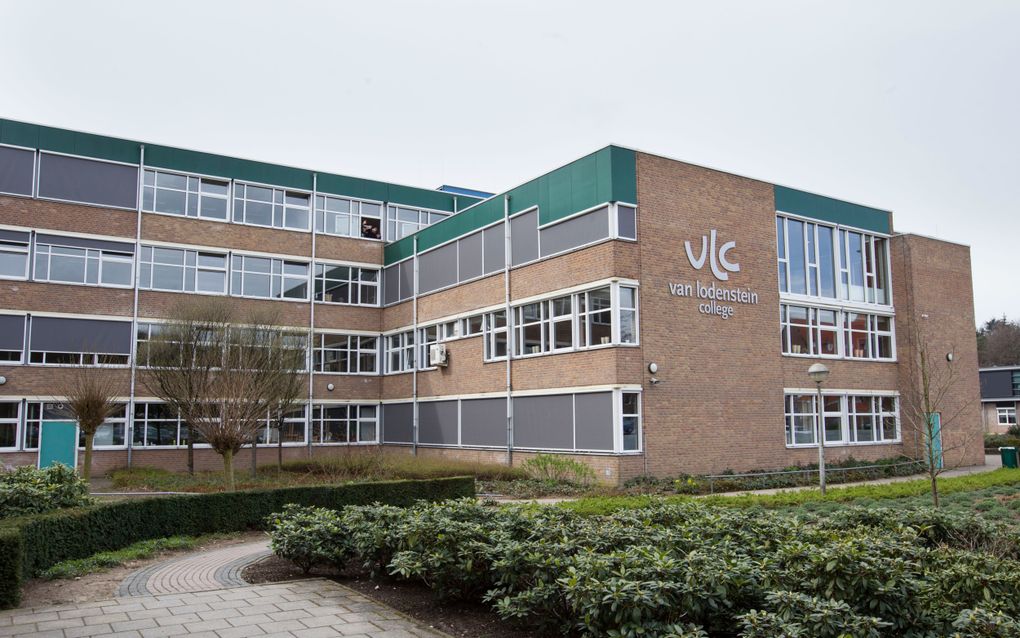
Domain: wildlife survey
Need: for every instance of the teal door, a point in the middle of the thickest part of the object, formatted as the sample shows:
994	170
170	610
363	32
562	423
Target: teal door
58	443
936	438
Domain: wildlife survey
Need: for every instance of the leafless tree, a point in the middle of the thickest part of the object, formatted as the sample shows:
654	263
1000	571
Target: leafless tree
931	410
90	397
222	375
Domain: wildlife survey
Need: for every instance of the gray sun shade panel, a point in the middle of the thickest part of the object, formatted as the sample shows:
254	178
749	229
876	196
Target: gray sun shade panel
469	257
996	384
483	422
83	242
16	170
391	284
494	241
89	181
437	422
437	268
398	423
544	422
578	231
626	221
12	332
57	334
14	235
524	238
406	279
593	421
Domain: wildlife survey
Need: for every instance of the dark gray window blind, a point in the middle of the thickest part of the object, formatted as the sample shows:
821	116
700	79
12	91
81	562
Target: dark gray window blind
524	237
495	248
12	332
437	422
593	421
59	334
391	284
80	180
84	242
398	426
437	268
483	422
469	257
545	422
15	235
16	169
578	231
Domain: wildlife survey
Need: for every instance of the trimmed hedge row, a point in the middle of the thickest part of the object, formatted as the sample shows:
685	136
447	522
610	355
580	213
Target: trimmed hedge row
31	544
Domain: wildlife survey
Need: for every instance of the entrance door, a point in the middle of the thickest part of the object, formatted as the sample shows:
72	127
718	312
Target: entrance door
936	438
58	443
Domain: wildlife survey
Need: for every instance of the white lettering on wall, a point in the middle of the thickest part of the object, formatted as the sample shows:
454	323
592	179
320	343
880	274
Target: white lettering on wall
708	250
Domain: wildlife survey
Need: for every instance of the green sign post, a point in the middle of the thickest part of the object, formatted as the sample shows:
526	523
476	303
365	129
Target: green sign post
58	443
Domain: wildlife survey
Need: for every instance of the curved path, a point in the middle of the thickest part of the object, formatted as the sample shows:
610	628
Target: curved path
203	571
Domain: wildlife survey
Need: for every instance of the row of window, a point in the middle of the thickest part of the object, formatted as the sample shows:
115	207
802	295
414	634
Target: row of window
817	260
209	198
187	270
822	332
847	418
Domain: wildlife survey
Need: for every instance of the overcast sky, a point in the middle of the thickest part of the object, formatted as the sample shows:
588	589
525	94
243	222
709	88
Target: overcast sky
909	106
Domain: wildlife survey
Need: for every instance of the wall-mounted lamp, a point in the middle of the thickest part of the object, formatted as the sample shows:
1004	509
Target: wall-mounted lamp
653	367
949	357
3	380
330	386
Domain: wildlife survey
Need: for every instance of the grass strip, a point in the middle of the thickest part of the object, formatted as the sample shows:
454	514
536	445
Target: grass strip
789	498
107	560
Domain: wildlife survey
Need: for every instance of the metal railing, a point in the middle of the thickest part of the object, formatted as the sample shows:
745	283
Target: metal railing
712	478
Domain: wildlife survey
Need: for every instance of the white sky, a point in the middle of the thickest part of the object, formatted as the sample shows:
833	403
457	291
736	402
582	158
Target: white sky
909	106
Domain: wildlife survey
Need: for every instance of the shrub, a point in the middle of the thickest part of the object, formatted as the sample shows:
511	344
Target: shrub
43	540
27	490
308	536
799	615
561	469
981	623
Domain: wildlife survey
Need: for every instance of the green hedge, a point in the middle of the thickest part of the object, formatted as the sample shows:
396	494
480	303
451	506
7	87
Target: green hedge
31	544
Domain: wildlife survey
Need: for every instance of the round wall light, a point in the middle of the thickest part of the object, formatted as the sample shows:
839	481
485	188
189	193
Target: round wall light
3	380
653	367
330	386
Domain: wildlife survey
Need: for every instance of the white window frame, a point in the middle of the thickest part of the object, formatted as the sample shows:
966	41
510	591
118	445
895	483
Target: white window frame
354	282
394	225
274	278
265	435
186	270
490	330
199	194
122	421
16	421
847	413
15	248
355	215
402	345
353	424
1005	415
100	256
278	200
353	349
618	430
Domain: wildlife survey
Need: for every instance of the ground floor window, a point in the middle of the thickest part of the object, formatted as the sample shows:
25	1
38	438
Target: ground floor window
10	416
1006	414
345	423
630	421
848	419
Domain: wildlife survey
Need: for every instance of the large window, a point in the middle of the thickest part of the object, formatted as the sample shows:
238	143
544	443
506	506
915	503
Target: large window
823	332
868	336
346	354
427	337
155	425
346	285
810	255
275	207
73	263
402	221
10	412
13	255
495	335
345	424
1005	414
182	270
291	429
400	352
176	194
848	419
37	413
268	278
348	217
111	432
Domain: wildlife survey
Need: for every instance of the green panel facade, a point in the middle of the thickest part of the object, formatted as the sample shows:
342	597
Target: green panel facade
789	200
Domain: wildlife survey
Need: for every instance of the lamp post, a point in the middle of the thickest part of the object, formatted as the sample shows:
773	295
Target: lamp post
818	373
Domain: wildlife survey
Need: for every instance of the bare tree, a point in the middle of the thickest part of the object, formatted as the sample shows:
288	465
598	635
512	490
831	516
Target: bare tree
931	410
223	376
90	396
289	388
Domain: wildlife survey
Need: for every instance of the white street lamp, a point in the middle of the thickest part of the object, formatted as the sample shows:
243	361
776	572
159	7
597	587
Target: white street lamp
818	373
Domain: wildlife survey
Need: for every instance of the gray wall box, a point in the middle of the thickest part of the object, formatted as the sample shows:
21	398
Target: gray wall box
57	334
524	238
544	422
996	384
398	423
483	422
437	268
494	240
593	421
88	181
469	257
17	166
437	422
578	231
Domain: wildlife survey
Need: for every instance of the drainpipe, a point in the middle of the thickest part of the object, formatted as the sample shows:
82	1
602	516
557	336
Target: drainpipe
129	421
416	351
509	332
310	357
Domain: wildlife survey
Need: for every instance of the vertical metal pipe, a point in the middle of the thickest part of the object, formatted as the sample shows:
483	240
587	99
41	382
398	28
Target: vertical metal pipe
129	421
507	241
821	441
309	412
415	350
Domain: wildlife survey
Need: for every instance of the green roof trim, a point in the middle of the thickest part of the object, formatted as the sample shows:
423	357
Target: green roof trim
607	175
789	200
156	156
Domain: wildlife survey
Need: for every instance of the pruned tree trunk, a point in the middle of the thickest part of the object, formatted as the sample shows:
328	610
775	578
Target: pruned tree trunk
86	472
228	469
191	450
254	456
279	446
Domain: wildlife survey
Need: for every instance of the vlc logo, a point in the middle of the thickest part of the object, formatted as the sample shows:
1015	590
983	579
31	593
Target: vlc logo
708	251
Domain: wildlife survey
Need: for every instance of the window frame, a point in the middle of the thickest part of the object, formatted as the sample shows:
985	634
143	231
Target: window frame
354	218
10	247
16	421
847	414
102	258
1005	415
400	344
199	193
273	276
239	193
187	271
317	423
353	349
394	223
353	282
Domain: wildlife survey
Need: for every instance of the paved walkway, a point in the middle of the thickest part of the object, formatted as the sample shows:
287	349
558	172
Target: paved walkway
310	608
202	571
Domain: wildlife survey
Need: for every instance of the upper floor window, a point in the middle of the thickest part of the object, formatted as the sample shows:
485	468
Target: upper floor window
346	354
176	194
496	337
77	261
181	269
1016	383
268	278
13	254
811	254
822	332
267	206
400	352
402	221
348	217
346	285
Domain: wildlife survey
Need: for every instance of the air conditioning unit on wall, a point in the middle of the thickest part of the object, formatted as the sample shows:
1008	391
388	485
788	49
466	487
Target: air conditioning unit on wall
438	355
